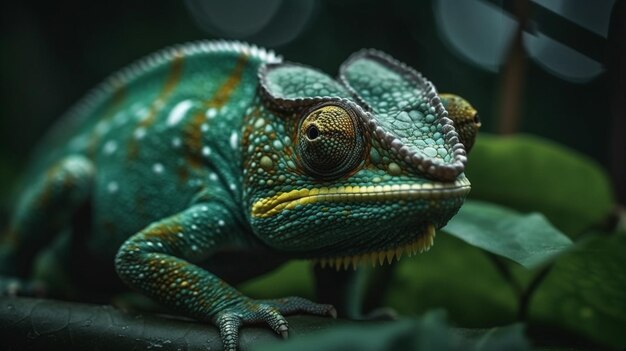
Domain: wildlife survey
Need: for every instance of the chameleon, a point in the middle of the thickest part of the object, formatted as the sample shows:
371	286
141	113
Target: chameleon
217	149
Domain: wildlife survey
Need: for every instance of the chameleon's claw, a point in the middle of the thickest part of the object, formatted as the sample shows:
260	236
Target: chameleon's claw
333	312
284	331
268	311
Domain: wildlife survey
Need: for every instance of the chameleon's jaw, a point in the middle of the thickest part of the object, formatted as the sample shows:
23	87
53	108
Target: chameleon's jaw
271	206
423	243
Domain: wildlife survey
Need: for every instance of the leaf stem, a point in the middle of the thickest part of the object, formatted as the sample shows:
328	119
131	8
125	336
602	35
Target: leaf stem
524	300
506	274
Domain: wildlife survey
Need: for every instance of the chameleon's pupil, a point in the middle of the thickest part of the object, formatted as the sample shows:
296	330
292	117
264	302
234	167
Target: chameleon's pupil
312	133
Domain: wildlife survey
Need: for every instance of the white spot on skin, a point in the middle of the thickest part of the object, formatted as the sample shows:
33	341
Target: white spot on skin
140	133
221	223
210	113
157	168
102	127
213	176
233	186
206	151
110	147
204	127
176	142
120	118
234	140
259	123
178	112
142	113
112	187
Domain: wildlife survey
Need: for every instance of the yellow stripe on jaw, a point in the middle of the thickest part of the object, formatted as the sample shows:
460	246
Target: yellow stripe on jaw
270	206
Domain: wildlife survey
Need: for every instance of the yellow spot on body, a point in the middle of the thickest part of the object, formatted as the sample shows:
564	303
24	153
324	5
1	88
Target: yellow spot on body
266	163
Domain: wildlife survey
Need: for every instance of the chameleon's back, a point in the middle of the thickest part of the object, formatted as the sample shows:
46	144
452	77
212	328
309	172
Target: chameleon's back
148	89
158	132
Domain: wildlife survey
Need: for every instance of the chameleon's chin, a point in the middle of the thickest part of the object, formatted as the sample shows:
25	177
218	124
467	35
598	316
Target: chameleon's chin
422	243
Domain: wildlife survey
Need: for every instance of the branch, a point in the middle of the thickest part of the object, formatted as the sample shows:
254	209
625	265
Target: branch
40	324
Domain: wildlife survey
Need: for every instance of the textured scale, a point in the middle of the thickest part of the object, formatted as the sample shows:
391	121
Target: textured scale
220	148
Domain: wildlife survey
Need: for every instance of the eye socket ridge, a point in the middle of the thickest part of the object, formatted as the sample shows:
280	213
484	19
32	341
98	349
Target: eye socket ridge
330	140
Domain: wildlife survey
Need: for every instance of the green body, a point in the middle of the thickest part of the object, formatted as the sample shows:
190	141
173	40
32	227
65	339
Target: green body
220	148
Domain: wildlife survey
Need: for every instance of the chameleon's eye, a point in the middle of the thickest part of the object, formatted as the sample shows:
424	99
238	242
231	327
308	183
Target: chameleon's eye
330	141
476	119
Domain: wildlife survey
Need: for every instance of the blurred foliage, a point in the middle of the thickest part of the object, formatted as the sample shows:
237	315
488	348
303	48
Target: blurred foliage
586	291
428	333
530	173
294	278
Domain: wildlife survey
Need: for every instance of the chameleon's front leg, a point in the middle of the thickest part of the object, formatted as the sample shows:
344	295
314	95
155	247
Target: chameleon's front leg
158	262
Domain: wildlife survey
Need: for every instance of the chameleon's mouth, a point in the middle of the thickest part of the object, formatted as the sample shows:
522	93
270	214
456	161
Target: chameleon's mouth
423	243
273	205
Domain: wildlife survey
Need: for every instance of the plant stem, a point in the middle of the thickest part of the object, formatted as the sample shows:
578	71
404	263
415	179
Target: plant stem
525	297
506	274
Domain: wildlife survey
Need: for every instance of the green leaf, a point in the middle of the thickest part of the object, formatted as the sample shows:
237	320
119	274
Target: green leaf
428	333
586	292
293	278
457	277
529	240
528	173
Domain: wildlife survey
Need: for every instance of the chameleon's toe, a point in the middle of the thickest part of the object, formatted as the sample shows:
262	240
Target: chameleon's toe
228	324
231	320
266	311
294	304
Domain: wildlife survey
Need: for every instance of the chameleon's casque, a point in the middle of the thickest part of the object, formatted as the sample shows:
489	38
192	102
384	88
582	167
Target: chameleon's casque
219	147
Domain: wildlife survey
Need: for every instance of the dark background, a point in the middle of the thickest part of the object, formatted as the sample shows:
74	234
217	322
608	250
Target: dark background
52	53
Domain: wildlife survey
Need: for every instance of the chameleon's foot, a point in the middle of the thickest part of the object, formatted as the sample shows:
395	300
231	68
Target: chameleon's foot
267	311
10	286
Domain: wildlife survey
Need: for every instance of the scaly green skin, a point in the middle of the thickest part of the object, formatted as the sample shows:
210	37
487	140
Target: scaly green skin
220	147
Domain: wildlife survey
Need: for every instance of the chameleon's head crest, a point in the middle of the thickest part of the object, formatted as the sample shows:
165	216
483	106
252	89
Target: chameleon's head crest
405	113
397	105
